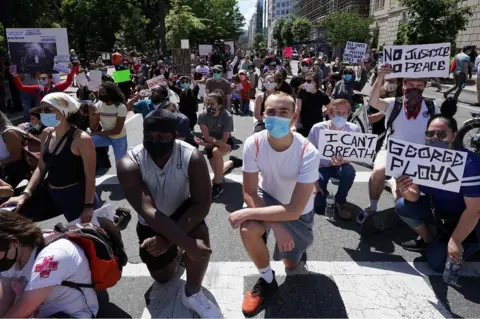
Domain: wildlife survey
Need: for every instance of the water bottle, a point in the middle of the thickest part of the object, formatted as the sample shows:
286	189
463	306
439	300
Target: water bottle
330	208
450	274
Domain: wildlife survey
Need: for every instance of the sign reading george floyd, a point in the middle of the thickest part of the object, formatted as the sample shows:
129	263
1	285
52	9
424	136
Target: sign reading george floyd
426	165
358	147
354	52
418	61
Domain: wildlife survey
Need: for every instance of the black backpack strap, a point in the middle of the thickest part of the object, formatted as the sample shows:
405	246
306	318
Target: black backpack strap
397	107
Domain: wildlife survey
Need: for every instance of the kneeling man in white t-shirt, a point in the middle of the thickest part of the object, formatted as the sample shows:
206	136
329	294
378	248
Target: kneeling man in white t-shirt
280	168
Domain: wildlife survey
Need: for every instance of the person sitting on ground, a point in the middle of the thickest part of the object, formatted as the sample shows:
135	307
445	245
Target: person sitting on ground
218	83
245	95
456	215
144	106
35	126
216	124
167	182
183	124
338	111
31	277
188	94
281	200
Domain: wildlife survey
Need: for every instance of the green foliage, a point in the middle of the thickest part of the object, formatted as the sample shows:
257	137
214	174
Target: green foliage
347	26
432	21
181	21
287	34
301	29
258	39
3	43
277	31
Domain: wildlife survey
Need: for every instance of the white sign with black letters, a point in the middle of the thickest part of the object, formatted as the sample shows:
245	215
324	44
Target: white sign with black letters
351	146
418	61
354	52
426	165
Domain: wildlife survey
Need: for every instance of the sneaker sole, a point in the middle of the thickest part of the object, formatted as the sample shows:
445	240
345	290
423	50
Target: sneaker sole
266	302
415	250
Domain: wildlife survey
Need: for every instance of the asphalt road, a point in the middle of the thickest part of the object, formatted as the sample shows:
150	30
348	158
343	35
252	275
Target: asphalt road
350	276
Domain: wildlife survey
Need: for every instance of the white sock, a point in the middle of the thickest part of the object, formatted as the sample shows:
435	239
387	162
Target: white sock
373	205
266	273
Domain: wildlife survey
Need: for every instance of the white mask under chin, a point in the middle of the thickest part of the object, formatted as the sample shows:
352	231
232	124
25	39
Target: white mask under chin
308	87
269	86
304	69
390	87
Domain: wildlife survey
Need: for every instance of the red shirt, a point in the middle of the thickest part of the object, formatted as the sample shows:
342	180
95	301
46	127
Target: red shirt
246	85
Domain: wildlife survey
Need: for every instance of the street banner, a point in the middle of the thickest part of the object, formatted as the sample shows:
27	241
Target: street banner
184	44
34	50
95	80
181	62
204	49
121	76
351	146
426	165
354	52
156	81
288	52
418	61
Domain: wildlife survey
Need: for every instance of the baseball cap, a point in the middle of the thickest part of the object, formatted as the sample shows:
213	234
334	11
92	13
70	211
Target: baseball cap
218	68
242	72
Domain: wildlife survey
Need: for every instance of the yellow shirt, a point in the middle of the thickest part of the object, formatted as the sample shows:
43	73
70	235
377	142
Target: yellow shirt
108	117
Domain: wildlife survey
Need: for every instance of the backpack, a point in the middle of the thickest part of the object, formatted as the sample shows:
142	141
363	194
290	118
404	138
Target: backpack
397	107
103	247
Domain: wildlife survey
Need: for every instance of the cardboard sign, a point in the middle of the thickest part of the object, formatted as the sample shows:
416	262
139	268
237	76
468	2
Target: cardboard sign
121	76
95	80
61	68
204	49
181	62
426	165
357	147
156	81
288	52
354	52
184	44
418	61
81	79
61	58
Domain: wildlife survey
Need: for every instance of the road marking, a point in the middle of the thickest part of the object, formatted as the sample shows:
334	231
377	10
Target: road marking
367	289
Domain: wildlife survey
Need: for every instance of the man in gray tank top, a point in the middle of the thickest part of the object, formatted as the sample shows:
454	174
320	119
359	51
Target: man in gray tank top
167	182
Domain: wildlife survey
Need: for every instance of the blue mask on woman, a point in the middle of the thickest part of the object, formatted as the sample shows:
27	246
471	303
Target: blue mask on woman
277	127
217	76
49	119
347	77
438	143
339	121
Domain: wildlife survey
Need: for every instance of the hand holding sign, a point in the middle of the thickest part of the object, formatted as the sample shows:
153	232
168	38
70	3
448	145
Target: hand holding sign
383	70
339	146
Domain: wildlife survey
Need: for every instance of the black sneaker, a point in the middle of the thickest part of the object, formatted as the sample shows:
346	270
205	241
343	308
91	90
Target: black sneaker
122	217
237	162
255	299
415	245
217	190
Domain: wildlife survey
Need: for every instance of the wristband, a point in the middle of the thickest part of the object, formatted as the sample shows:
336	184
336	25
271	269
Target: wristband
88	205
27	192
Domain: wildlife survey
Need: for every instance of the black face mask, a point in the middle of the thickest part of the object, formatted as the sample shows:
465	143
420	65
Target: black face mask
7	264
158	149
103	97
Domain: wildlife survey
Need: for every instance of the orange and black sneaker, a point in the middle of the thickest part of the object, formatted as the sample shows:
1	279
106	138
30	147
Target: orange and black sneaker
255	299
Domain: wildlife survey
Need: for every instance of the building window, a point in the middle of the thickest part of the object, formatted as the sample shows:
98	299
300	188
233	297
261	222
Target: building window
379	4
286	11
278	12
283	11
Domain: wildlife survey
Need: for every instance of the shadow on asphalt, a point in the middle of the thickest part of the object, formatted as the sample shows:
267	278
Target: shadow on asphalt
230	197
108	309
115	190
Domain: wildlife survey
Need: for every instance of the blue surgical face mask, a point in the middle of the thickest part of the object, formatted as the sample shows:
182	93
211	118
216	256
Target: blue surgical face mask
277	127
339	121
49	119
438	143
347	77
217	76
186	85
43	82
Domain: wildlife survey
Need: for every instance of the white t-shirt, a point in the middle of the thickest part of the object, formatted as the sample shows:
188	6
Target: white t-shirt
61	260
204	70
412	130
108	117
280	171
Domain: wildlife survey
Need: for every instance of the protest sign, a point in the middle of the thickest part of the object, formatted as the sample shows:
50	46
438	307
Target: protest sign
204	49
61	68
288	52
184	44
426	165
121	76
156	81
61	58
357	147
354	52
181	62
34	50
230	47
95	80
418	61
81	79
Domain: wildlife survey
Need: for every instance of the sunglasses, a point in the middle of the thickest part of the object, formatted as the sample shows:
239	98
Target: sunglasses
307	81
218	72
440	135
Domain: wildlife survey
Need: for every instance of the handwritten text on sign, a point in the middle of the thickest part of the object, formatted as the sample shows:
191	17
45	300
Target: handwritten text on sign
156	81
354	52
351	146
426	165
418	61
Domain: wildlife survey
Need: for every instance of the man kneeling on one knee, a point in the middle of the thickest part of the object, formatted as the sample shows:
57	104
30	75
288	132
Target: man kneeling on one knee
280	168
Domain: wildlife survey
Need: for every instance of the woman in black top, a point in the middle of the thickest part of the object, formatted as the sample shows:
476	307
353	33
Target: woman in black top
188	94
309	104
282	86
68	156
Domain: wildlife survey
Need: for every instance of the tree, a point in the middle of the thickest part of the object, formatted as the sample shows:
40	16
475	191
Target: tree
432	21
134	32
277	32
301	29
347	26
257	39
287	34
181	21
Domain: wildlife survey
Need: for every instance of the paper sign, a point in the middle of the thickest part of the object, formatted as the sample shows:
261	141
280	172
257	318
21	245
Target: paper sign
184	44
81	79
121	76
180	62
56	78
357	147
426	165
61	58
61	68
106	211
418	61
354	52
95	80
156	81
288	52
204	49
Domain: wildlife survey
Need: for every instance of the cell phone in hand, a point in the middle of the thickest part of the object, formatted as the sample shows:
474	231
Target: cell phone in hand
9	208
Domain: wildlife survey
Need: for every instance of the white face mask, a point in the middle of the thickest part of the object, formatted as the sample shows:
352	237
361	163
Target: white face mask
389	87
304	69
269	86
308	87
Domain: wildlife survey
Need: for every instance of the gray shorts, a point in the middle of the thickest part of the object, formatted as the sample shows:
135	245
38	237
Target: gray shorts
300	229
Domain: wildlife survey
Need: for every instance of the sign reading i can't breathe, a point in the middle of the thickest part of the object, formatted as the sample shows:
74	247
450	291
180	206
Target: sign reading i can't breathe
357	147
418	61
426	165
354	52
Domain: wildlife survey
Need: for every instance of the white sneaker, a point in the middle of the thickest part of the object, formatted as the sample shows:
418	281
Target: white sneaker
200	304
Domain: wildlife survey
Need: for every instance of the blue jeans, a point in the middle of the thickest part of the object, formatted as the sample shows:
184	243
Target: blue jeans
119	145
245	106
345	174
28	102
418	213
